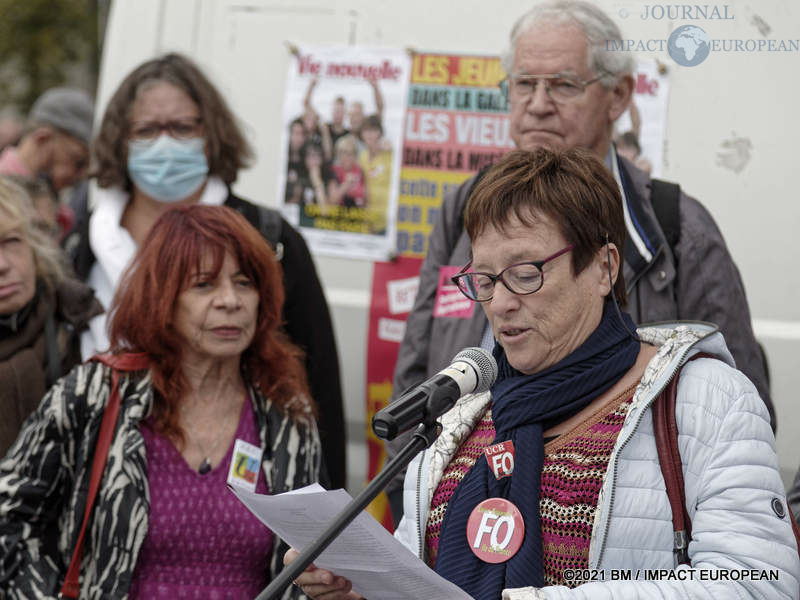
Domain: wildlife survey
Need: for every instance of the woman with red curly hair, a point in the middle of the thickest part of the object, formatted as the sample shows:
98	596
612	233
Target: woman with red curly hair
210	389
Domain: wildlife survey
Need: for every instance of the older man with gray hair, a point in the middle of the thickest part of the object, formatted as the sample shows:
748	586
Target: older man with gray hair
565	90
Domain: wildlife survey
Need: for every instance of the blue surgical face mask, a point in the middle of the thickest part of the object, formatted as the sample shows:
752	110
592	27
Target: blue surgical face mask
167	169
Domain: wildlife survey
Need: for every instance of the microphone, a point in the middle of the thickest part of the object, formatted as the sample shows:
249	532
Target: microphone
473	370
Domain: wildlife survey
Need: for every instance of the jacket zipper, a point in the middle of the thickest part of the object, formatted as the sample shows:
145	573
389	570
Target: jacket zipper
419	505
625	443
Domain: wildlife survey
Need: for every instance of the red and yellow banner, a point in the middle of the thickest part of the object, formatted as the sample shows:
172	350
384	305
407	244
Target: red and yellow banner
456	124
394	287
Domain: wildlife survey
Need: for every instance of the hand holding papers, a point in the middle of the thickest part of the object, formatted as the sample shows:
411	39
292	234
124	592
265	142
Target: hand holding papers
365	553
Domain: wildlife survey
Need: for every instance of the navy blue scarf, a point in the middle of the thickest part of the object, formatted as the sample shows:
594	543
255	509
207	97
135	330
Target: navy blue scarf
523	407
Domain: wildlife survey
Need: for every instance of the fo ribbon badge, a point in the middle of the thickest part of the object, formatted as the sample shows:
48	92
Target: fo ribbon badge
501	458
495	530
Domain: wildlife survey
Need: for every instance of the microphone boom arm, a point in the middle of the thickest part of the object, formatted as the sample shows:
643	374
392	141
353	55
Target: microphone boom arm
472	370
424	436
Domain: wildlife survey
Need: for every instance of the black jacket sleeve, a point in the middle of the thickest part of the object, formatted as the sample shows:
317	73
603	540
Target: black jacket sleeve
308	324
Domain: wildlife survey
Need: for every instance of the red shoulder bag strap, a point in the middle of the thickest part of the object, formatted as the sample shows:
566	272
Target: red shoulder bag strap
665	427
666	431
795	528
119	362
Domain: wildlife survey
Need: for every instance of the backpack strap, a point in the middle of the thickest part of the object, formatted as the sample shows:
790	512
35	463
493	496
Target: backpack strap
78	249
270	224
121	362
665	427
268	221
665	198
53	351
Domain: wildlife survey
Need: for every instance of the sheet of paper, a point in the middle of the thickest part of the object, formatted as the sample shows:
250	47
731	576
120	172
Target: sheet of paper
378	565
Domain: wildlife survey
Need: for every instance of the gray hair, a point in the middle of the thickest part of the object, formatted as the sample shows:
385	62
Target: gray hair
596	25
16	206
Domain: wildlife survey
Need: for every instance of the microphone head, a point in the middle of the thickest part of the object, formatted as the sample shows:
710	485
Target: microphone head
484	365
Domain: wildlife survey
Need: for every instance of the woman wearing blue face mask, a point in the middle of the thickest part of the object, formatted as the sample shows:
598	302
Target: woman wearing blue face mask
167	137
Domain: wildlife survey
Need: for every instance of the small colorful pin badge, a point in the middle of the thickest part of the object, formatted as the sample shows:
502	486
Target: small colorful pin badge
495	530
245	464
501	459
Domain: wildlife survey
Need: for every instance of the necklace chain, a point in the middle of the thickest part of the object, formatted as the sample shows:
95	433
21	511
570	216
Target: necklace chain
205	465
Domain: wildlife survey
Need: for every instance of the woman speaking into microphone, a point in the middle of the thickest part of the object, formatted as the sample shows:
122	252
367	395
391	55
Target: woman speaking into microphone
554	473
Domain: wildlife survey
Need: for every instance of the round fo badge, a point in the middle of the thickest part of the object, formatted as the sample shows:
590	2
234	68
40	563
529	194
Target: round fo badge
495	530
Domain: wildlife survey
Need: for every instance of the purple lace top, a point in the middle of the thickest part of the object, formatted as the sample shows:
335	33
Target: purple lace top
201	541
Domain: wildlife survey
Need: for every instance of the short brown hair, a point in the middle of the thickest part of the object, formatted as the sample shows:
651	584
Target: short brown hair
227	146
573	188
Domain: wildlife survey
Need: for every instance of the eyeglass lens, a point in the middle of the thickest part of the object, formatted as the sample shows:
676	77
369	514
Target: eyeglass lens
519	279
559	88
179	128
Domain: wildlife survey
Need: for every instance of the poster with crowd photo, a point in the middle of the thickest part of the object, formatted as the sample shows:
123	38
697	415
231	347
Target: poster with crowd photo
641	130
343	130
457	123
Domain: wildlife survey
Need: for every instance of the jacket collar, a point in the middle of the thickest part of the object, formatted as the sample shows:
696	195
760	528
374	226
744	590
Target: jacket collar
677	341
645	241
111	243
11	324
79	244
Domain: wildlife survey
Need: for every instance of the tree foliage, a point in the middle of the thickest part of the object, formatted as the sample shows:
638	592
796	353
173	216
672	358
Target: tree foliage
45	43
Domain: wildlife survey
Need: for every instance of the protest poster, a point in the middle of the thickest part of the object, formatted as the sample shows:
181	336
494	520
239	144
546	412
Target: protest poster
646	119
343	129
457	123
394	287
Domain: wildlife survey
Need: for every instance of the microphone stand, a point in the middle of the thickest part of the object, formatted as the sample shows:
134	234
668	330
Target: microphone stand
425	434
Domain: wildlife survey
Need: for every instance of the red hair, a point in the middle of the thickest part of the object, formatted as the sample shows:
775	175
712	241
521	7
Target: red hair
143	309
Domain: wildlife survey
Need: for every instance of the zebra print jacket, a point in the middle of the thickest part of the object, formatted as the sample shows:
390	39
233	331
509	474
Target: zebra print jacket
44	481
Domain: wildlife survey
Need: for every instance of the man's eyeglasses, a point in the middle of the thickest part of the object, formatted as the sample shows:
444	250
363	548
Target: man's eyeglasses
521	278
560	87
181	129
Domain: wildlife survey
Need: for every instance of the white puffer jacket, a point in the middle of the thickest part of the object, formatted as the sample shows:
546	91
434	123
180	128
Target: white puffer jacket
734	494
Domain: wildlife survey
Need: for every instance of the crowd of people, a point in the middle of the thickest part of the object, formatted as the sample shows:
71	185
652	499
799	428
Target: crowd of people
160	329
574	401
340	164
199	313
689	277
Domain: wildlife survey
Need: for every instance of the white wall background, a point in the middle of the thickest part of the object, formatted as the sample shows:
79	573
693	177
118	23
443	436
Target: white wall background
739	105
